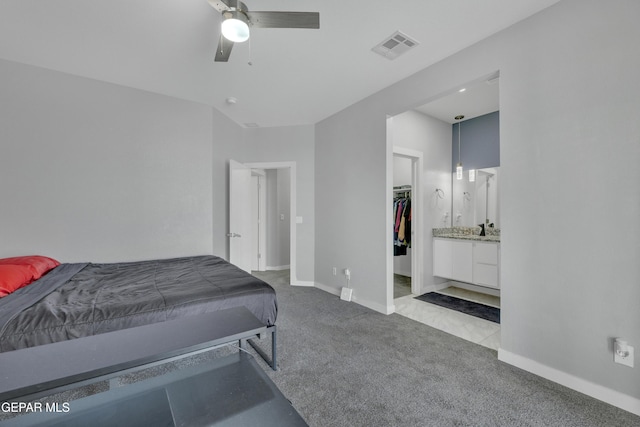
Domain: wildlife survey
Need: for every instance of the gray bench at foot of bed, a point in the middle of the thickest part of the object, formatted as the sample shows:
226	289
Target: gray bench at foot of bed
45	369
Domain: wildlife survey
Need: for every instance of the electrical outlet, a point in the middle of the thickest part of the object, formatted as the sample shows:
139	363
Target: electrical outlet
627	360
335	271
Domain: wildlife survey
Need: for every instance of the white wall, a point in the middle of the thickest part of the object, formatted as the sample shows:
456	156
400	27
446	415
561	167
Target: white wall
92	171
432	137
568	101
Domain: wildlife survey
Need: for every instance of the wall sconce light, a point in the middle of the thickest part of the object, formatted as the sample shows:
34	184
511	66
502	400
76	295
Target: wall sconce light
459	165
472	175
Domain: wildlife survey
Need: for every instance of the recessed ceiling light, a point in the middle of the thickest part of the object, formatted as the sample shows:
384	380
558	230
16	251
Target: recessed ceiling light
462	90
231	100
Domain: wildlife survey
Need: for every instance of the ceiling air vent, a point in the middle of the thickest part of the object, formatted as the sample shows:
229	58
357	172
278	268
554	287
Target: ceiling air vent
395	45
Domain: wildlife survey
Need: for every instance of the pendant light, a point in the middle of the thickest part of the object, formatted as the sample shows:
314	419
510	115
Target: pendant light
472	175
459	165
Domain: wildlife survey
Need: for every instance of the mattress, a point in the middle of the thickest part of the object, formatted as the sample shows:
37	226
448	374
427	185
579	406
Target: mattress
78	300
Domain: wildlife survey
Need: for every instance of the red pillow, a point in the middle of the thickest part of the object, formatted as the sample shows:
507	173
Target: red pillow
14	277
39	264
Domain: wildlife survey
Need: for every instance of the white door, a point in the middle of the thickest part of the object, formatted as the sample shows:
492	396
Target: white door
240	244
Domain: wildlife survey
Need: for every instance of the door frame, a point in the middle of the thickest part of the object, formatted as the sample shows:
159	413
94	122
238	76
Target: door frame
260	175
417	224
417	243
293	278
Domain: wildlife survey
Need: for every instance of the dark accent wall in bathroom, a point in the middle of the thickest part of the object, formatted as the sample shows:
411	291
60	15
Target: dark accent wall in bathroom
479	142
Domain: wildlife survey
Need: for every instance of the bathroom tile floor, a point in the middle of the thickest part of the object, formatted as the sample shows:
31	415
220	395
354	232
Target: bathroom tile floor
462	325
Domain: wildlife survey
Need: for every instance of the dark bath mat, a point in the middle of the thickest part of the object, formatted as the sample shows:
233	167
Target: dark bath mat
471	308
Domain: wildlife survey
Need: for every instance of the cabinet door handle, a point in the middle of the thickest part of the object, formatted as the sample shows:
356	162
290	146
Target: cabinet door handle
233	235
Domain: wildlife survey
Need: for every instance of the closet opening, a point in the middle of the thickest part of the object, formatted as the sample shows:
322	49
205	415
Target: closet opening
407	213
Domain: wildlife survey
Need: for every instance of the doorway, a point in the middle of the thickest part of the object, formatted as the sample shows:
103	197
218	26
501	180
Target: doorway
270	221
406	171
281	177
402	221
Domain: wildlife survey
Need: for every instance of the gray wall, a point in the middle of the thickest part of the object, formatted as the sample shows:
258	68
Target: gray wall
479	142
569	139
278	231
284	221
272	235
92	171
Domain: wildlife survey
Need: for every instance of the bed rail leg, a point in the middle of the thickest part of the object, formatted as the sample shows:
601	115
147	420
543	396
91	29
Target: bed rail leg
274	350
274	355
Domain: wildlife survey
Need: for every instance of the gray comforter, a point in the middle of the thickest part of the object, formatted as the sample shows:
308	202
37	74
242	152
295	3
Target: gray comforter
77	300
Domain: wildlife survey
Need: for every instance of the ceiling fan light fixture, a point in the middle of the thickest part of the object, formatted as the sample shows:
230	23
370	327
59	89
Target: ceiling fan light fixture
235	26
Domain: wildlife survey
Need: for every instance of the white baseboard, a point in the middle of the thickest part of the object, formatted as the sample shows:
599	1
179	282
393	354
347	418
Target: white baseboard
612	397
277	267
306	283
330	289
380	308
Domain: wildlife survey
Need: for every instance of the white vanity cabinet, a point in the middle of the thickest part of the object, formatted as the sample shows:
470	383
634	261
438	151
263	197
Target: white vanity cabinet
486	256
467	261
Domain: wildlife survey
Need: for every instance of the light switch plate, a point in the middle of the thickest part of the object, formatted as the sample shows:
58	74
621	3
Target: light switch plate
627	361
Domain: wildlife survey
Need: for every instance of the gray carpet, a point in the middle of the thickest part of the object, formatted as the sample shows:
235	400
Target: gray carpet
344	365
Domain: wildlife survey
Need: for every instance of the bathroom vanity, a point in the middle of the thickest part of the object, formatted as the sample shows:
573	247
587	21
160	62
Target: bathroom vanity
461	254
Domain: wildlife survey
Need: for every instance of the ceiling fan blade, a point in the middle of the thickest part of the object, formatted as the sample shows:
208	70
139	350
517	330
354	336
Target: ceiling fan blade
219	5
224	50
285	19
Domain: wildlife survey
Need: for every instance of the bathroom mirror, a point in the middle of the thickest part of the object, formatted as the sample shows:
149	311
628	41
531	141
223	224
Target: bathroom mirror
475	203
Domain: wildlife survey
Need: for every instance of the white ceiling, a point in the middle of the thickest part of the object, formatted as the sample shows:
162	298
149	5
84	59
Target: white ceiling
471	100
297	76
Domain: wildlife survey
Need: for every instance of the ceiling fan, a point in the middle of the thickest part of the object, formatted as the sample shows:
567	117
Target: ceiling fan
236	20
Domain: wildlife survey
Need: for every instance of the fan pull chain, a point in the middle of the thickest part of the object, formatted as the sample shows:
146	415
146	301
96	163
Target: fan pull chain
250	61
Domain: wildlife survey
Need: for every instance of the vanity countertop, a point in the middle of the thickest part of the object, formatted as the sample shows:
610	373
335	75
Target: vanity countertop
467	233
473	237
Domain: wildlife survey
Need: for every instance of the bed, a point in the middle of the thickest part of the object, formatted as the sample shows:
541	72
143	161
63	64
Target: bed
82	299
